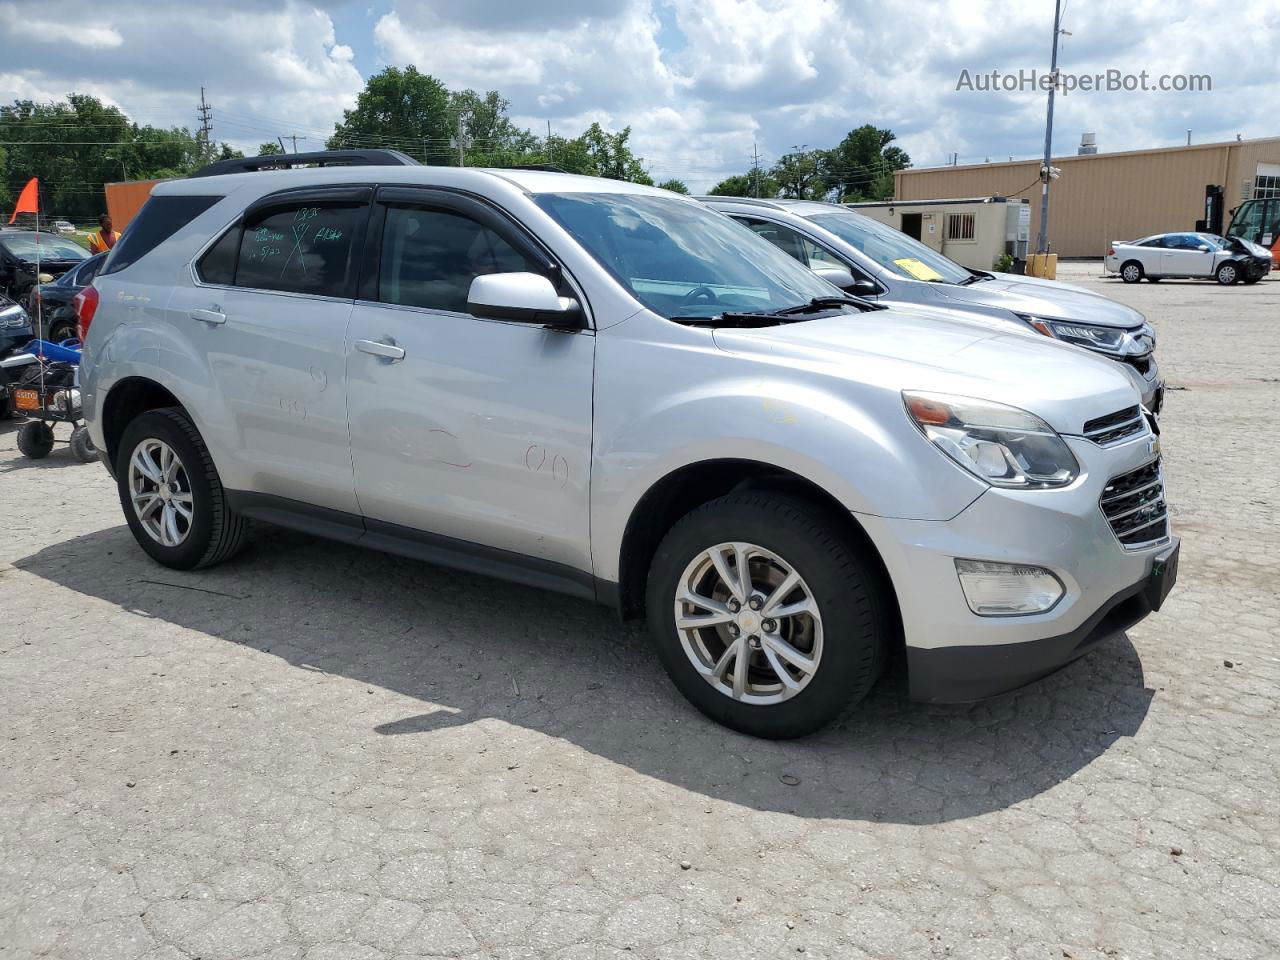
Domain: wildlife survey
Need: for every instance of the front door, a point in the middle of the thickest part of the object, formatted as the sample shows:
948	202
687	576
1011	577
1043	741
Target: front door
478	431
911	225
1187	255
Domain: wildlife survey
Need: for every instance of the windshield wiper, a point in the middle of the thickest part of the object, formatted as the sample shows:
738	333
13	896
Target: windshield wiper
826	303
975	278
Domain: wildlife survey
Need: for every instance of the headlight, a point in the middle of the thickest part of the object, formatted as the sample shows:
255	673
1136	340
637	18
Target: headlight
1004	446
1114	340
13	316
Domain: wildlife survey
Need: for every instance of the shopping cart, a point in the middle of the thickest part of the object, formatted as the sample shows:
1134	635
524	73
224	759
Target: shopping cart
45	388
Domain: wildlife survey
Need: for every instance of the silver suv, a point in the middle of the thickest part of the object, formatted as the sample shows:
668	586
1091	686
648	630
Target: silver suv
612	391
874	260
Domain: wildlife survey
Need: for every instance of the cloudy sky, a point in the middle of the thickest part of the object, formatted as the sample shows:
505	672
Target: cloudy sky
699	81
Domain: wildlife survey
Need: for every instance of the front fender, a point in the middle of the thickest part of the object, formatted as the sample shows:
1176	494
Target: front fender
666	402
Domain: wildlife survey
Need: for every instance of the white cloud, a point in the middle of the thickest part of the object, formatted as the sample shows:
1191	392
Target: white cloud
699	81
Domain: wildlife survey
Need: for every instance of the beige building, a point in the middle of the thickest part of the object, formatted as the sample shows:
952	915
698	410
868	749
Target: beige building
1111	196
973	232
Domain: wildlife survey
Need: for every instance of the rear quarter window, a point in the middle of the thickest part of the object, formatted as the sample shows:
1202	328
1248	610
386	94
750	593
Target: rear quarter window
158	220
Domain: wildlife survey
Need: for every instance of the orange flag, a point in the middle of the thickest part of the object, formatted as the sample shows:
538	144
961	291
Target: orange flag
28	200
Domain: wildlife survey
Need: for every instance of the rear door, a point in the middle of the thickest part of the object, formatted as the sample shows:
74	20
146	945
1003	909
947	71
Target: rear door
467	429
269	311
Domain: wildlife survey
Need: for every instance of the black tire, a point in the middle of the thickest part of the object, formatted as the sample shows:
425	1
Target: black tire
35	439
216	532
854	610
1131	271
1227	273
82	445
61	329
1253	279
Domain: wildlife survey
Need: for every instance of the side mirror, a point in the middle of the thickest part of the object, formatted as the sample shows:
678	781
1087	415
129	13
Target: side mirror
524	298
842	277
864	288
1203	248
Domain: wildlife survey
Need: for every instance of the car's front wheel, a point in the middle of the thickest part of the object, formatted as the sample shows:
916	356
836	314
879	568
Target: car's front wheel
765	619
1227	274
171	494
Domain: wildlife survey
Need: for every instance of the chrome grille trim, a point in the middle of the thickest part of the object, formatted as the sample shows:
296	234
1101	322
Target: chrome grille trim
1115	427
1135	508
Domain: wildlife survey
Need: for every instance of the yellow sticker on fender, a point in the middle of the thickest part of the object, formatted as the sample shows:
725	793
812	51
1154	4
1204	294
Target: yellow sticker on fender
918	269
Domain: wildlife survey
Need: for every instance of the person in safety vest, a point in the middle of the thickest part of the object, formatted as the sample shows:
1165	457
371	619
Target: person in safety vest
104	238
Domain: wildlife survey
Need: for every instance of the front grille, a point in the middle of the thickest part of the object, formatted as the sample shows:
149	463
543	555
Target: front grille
1133	504
1115	427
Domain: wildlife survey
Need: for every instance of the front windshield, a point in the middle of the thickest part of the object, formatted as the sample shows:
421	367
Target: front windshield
24	246
892	249
681	259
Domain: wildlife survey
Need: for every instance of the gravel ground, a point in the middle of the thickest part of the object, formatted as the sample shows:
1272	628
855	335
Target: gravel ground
318	752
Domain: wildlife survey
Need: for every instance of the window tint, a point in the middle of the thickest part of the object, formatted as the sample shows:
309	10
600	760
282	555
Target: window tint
430	257
218	265
305	247
158	220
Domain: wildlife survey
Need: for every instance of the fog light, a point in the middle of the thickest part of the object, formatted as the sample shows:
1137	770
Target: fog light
1007	589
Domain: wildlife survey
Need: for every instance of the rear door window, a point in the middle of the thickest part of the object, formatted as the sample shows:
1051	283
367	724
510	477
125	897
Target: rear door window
304	246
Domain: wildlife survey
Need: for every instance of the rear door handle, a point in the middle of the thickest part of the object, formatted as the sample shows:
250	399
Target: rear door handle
209	316
387	351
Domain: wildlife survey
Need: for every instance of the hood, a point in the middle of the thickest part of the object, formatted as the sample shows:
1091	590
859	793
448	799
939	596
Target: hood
899	350
1254	249
1044	298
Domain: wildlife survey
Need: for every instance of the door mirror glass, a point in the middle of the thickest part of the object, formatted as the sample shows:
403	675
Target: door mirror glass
864	288
523	297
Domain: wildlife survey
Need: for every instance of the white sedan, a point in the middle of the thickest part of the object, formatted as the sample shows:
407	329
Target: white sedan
1194	255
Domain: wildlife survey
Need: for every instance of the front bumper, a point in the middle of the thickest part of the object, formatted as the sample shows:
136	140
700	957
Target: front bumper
956	655
968	673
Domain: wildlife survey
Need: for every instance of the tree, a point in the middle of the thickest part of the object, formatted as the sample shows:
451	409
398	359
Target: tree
609	156
492	140
675	186
800	176
77	145
400	110
755	183
269	148
861	166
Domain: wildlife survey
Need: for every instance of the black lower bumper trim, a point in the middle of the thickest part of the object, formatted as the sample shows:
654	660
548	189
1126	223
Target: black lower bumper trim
963	674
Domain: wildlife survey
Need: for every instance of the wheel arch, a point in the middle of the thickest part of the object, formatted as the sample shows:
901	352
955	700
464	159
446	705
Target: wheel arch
125	401
689	486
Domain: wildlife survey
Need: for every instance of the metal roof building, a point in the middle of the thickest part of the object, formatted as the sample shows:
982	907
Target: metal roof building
1113	196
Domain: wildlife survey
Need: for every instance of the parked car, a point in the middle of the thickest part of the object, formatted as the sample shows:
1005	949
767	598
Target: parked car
15	332
22	250
872	259
64	226
1205	256
613	391
49	304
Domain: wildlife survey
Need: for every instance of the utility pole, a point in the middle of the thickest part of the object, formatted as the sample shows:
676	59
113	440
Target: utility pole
205	114
462	146
755	171
1042	240
292	137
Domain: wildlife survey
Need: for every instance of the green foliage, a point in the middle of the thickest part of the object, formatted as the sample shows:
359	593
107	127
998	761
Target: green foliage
675	186
78	145
756	183
861	166
801	176
269	148
401	110
1002	263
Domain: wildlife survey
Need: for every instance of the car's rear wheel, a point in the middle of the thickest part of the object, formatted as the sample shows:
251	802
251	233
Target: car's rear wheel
171	494
1227	274
765	619
1131	271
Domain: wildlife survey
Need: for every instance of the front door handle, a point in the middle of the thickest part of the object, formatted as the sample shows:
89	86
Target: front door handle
387	351
209	316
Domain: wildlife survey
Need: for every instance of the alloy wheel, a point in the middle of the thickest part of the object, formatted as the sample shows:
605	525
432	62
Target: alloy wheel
160	492
748	623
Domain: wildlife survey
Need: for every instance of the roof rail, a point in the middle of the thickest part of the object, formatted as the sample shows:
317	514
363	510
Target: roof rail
543	167
317	158
755	201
